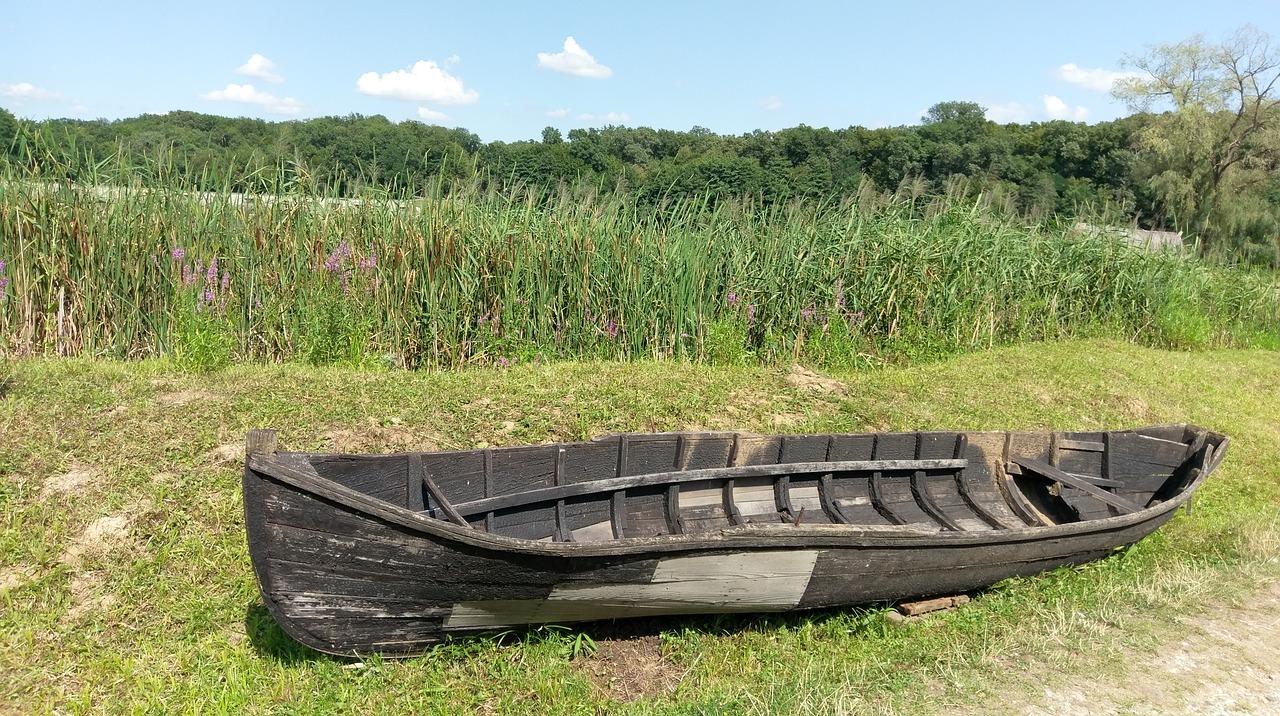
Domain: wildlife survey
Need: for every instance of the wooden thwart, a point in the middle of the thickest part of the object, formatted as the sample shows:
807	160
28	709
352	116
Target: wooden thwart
1053	473
618	484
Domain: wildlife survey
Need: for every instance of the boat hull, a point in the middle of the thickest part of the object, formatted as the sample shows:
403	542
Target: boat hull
346	573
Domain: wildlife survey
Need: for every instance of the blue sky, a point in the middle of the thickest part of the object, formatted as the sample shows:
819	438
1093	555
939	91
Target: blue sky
506	70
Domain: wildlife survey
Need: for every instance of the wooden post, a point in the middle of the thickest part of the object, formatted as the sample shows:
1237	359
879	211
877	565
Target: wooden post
260	442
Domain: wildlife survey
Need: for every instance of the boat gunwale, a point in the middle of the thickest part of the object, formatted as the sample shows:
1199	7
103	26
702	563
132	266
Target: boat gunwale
308	481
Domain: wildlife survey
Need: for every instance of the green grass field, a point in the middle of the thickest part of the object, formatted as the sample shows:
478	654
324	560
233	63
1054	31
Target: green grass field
125	584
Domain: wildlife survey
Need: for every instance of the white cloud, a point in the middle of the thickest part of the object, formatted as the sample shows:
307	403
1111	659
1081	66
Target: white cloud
607	118
431	115
26	90
574	61
558	113
1009	112
1055	108
771	103
260	68
1096	79
424	82
246	94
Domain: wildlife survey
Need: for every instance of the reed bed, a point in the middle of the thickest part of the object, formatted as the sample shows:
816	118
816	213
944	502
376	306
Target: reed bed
464	276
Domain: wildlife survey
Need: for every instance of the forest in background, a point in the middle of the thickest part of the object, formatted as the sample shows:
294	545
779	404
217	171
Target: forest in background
1208	165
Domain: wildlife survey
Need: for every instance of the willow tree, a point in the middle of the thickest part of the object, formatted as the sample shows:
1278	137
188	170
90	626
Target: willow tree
1218	138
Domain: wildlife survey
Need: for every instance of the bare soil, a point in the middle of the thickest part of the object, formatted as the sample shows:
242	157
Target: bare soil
1226	663
76	480
629	669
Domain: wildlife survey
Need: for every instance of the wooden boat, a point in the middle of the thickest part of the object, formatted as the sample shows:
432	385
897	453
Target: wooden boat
391	554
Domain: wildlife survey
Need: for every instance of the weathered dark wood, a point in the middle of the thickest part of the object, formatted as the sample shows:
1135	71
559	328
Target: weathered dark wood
260	442
562	533
1089	445
962	487
731	509
921	492
674	523
488	487
414	484
438	495
827	496
548	494
1057	475
1013	496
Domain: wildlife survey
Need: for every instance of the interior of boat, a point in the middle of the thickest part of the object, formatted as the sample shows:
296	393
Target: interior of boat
646	485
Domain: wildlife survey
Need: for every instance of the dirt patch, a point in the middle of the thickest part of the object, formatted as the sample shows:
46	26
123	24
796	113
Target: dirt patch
785	420
1137	409
630	669
379	439
1227	663
88	595
15	576
805	379
76	480
225	453
186	397
104	535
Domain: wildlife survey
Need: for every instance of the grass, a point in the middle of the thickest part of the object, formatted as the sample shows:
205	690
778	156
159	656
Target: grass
125	584
466	276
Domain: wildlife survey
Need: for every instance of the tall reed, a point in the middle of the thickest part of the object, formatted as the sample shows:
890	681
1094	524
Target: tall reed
459	275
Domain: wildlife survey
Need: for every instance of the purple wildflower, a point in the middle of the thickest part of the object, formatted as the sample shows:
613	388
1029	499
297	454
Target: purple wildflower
731	299
807	313
179	254
369	262
226	281
612	329
212	276
751	313
4	281
333	264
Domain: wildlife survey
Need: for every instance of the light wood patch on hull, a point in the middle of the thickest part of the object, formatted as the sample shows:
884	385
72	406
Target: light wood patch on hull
742	582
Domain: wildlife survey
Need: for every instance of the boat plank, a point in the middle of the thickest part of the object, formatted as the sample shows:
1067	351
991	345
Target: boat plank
383	477
627	482
464	472
852	447
340	605
1057	475
1142	449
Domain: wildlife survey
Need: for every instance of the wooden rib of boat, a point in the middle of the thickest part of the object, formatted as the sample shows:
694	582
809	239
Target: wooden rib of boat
390	554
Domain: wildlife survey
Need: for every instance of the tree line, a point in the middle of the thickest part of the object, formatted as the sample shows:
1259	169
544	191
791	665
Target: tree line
1207	165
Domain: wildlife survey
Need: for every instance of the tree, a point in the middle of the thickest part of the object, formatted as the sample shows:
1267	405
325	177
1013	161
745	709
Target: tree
1222	137
8	130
